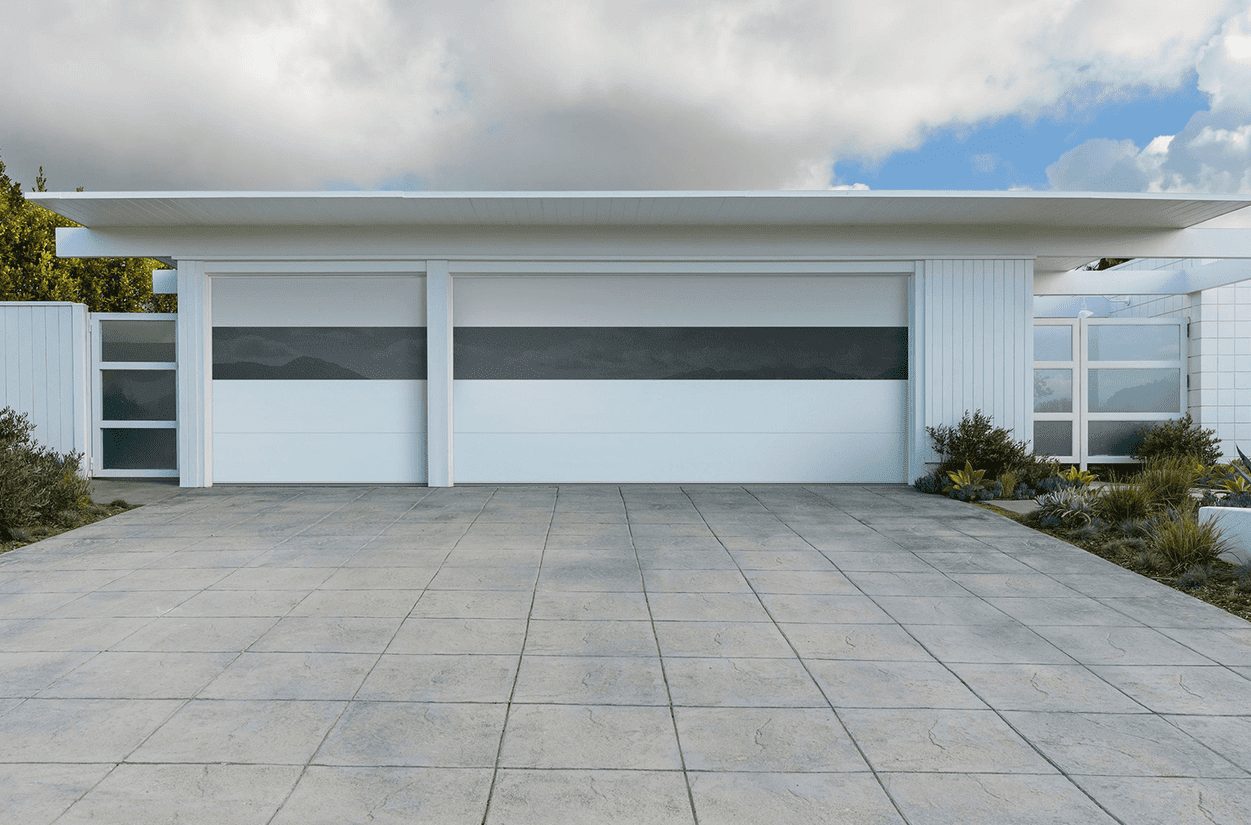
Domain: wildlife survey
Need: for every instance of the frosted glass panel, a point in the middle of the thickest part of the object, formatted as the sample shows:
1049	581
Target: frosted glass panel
1054	438
1053	343
1135	390
1053	390
1133	342
139	395
137	341
1119	438
140	449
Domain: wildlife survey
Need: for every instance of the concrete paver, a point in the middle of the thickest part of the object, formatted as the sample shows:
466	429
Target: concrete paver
609	654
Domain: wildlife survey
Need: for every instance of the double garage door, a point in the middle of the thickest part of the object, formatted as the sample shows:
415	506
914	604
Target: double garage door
564	378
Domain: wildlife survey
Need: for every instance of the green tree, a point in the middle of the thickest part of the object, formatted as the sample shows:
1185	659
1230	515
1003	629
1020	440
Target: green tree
31	271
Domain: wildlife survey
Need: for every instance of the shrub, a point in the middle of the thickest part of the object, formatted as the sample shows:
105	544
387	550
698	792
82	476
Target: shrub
37	485
977	441
1078	477
1179	438
1124	503
1180	543
931	483
1068	508
1008	484
1167	481
1194	577
968	484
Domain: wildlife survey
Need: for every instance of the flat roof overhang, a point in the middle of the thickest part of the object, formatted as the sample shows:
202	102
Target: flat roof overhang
1060	230
641	208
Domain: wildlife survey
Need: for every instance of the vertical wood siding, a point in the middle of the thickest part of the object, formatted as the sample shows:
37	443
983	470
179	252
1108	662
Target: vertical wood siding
44	371
973	346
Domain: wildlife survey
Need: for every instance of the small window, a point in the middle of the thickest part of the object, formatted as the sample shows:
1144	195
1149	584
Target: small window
1135	390
1053	342
1053	438
139	395
1053	390
140	449
1115	438
137	341
1134	342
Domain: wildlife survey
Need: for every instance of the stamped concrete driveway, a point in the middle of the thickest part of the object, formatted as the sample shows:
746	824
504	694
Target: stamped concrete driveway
595	654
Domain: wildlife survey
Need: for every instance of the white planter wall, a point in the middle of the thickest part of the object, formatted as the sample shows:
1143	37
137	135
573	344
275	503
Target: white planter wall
45	371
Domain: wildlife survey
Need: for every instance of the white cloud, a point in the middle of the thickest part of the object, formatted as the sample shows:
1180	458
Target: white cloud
1211	154
548	94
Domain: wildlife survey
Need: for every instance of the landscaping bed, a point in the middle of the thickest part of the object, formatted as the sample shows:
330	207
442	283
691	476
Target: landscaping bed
1226	585
42	492
1146	519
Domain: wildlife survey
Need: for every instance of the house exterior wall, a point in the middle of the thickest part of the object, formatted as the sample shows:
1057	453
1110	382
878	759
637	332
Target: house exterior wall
44	371
972	332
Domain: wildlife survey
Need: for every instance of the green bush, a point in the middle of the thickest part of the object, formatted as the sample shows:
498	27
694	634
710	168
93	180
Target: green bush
977	441
1184	542
37	484
1180	438
1072	508
1119	503
1167	481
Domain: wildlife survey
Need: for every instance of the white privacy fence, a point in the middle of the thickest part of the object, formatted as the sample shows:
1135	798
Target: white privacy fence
1098	382
44	364
100	384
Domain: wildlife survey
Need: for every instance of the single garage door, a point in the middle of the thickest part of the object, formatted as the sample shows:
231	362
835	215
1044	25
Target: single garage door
319	379
680	378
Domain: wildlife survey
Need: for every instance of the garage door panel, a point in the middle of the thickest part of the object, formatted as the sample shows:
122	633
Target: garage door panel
681	300
319	458
319	379
319	406
679	457
703	378
678	406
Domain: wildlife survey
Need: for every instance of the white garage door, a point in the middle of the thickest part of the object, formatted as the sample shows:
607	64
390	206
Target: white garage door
319	379
680	378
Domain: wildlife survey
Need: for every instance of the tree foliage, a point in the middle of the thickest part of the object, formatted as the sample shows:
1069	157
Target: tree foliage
31	271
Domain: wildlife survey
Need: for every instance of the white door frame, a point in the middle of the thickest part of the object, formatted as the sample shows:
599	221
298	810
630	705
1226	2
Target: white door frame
98	423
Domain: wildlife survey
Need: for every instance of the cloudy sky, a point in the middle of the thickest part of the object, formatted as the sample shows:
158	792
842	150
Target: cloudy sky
549	94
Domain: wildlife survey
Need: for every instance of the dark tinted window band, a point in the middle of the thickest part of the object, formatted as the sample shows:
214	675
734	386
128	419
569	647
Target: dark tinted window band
682	353
319	353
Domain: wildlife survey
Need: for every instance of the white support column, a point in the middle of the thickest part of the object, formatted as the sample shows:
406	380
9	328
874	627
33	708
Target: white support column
195	371
438	374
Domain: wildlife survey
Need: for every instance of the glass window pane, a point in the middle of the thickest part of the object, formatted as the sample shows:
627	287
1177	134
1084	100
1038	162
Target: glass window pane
682	353
1053	390
1134	342
1135	390
1054	438
319	353
137	341
1053	342
1118	438
140	449
139	395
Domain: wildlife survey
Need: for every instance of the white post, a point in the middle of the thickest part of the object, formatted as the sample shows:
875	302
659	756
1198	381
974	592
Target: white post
438	374
195	371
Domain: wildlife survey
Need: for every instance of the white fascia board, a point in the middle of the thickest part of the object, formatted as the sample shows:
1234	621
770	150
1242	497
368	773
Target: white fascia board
1144	281
791	243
